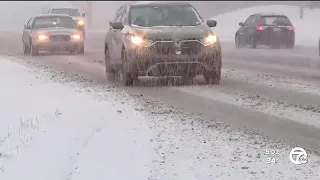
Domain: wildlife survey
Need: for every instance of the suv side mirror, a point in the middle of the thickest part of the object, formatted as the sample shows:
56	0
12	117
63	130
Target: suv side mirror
117	25
241	24
83	14
211	23
26	27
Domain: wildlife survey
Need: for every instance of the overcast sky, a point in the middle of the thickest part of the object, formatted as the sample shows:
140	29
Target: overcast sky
14	14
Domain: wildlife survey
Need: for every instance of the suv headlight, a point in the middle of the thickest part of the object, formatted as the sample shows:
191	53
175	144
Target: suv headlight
76	37
80	23
137	40
211	39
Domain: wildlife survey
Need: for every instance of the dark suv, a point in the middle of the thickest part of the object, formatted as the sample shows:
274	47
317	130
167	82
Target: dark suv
273	30
161	39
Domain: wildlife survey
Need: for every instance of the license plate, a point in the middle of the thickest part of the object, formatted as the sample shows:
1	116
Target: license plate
276	29
178	52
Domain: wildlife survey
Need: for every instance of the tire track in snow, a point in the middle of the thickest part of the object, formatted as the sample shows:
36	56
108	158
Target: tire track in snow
299	113
275	69
276	81
285	97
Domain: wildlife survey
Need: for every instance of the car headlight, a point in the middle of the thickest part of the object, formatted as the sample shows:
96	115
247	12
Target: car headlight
76	36
80	22
41	37
211	39
137	40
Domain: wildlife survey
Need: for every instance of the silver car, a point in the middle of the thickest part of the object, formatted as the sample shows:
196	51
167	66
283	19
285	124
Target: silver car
52	32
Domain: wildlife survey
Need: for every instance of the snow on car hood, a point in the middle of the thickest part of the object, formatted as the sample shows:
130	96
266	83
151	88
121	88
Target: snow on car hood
172	32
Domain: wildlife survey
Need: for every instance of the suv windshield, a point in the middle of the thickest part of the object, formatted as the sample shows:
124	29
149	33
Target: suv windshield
276	20
70	12
53	22
164	16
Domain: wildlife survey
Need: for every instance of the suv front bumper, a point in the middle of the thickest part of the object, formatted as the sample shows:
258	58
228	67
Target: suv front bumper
153	64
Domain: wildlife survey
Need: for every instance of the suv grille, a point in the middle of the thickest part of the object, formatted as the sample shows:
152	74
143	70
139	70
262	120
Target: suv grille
191	47
60	37
163	48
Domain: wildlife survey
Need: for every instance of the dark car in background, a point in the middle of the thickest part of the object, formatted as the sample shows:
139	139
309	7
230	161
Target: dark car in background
161	39
51	32
273	30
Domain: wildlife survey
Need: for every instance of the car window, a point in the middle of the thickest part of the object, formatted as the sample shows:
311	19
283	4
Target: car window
53	22
275	20
249	21
124	17
164	16
256	20
70	12
29	22
118	15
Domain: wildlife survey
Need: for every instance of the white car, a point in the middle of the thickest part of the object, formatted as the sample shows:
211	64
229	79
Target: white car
74	13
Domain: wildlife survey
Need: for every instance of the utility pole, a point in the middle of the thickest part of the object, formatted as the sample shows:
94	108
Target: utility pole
301	11
89	14
74	4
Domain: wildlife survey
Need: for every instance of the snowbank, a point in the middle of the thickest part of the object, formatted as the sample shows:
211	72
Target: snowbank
46	126
307	28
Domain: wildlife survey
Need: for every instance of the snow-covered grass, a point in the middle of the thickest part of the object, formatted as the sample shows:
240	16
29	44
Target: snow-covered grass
307	28
45	127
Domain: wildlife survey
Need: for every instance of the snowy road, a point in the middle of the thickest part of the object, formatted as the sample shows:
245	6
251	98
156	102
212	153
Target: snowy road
275	94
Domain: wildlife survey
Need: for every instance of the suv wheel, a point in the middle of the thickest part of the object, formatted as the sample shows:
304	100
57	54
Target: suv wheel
84	34
26	49
81	49
110	72
33	50
238	42
213	76
290	45
253	43
127	74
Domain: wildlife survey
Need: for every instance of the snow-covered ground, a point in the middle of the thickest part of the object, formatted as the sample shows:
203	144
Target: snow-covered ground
50	132
61	127
307	28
